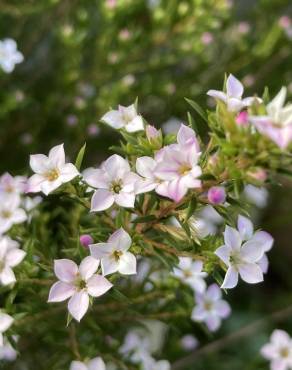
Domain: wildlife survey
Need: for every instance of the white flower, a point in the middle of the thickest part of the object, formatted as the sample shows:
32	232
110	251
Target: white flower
10	185
50	171
94	364
7	352
210	308
242	252
5	322
191	273
124	117
233	96
9	55
256	195
277	123
10	256
115	183
278	350
114	254
10	213
78	284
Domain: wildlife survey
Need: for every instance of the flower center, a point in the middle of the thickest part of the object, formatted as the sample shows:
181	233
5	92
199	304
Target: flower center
53	174
6	214
187	273
284	352
9	189
117	255
208	305
2	265
80	284
235	259
116	186
184	169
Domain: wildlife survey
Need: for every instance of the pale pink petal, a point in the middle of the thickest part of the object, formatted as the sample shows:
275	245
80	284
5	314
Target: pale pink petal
234	87
162	189
109	265
5	322
68	172
7	276
145	167
269	351
19	216
116	166
264	264
231	279
88	267
185	263
61	291
197	266
39	163
14	256
234	105
127	264
280	337
144	186
101	250
98	285
78	365
251	273
232	238
176	190
198	284
78	305
125	199
217	95
251	251
120	239
279	364
48	186
114	119
222	308
97	178
135	125
277	103
213	323
96	364
223	253
245	227
264	240
102	199
198	313
57	155
65	270
34	183
213	292
187	136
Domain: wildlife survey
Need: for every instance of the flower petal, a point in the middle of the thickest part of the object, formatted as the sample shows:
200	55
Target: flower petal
223	253
125	199
127	264
101	250
88	267
98	285
231	279
7	276
14	256
245	227
264	240
232	238
234	87
116	166
251	273
222	309
114	119
251	252
68	172
78	365
61	291
97	178
39	163
102	199
145	166
121	240
135	125
96	364
5	322
57	155
220	95
65	270
78	305
213	323
109	265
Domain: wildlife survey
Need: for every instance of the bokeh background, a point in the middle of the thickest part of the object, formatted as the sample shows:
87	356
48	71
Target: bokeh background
84	56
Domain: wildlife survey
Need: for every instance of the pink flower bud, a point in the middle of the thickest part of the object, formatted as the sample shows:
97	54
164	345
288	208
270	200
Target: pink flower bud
154	136
284	21
216	195
85	240
258	174
242	118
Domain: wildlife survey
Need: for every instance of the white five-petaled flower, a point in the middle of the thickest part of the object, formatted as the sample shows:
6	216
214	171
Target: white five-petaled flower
124	117
115	183
10	185
10	213
10	256
277	123
9	55
50	171
5	322
278	350
233	96
191	273
94	364
242	253
210	308
114	254
78	284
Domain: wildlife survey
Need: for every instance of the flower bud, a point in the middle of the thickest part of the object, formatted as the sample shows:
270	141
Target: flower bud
154	136
258	174
85	240
217	195
242	118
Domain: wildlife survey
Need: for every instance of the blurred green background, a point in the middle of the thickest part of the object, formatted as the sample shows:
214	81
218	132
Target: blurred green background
82	57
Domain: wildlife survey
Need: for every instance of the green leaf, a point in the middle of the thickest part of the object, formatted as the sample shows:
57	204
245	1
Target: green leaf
79	158
198	109
191	208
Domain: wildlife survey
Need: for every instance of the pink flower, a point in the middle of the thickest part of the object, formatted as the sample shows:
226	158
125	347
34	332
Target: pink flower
285	21
10	212
50	171
242	252
12	185
78	284
278	350
191	273
210	308
217	195
154	136
242	118
85	240
277	124
115	183
124	117
114	254
233	96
